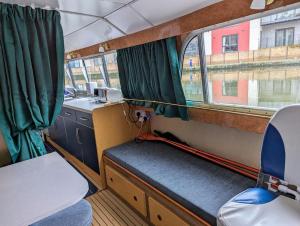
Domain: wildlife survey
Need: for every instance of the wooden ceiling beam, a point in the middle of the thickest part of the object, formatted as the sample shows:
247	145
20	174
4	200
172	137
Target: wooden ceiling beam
221	12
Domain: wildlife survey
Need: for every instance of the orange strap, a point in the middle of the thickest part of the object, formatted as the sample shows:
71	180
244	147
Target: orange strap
236	166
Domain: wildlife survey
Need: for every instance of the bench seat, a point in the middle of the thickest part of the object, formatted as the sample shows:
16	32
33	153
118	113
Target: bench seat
199	185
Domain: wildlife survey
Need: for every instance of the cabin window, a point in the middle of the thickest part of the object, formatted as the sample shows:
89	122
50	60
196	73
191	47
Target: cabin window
191	74
253	64
112	70
95	71
78	72
102	69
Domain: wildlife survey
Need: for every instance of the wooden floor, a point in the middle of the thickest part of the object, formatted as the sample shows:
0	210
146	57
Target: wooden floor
108	210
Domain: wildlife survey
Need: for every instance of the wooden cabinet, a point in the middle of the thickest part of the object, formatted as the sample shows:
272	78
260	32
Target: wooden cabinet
73	131
57	132
127	190
161	216
74	146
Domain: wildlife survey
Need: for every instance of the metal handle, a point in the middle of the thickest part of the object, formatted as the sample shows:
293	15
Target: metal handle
83	119
68	114
77	136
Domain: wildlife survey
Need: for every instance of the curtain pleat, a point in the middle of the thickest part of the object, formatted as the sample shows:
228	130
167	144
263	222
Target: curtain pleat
31	77
151	72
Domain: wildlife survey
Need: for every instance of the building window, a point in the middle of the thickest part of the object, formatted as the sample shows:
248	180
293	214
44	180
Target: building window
282	87
284	37
230	88
230	43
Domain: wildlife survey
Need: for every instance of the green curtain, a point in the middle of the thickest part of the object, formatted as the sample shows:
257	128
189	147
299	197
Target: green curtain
151	72
31	77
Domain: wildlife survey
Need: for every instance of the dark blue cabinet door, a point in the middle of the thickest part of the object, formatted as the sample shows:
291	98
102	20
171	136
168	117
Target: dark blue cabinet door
75	145
57	132
89	148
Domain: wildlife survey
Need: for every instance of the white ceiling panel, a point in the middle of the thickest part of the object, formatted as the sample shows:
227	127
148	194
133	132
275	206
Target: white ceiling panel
91	7
128	20
72	22
158	11
120	1
97	32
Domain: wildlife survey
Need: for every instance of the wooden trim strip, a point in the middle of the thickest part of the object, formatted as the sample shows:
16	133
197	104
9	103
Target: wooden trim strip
226	10
156	190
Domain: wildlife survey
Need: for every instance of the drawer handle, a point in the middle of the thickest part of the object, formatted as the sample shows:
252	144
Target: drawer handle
135	198
111	179
84	119
68	114
159	217
77	136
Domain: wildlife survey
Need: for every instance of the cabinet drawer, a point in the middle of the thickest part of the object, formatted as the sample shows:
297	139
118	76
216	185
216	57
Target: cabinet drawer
161	216
128	191
84	118
68	113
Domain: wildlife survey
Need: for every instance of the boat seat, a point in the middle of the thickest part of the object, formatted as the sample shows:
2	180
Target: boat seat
199	185
79	214
269	204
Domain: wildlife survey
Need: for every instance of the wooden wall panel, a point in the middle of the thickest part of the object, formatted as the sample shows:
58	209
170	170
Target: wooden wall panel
224	11
250	123
111	129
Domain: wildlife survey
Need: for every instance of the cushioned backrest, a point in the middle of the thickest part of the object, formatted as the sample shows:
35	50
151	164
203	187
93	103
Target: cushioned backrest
280	155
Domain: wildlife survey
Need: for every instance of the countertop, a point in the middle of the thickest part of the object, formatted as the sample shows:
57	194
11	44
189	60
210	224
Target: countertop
88	105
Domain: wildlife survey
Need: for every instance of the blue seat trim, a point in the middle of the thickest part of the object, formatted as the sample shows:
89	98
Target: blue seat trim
273	153
255	196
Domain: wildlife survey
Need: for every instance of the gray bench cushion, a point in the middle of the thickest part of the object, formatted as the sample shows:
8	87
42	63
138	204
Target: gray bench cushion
199	185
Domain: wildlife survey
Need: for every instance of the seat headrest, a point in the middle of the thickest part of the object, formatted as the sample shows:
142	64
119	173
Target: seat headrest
280	156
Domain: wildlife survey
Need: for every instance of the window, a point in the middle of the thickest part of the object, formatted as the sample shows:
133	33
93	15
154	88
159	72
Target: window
112	70
78	72
95	71
241	66
191	75
68	80
230	88
284	37
230	43
100	69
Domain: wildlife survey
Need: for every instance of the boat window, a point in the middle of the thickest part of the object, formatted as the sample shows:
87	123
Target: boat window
78	72
95	71
68	79
191	74
112	70
254	63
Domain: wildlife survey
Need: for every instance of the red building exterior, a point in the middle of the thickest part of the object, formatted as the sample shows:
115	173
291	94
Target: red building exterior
243	32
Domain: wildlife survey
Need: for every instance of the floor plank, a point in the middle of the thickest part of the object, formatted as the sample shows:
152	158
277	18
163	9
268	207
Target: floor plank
109	210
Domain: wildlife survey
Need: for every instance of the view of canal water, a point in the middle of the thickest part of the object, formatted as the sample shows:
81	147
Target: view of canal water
268	87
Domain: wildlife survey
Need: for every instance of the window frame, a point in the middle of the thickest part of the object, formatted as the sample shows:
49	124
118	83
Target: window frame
224	45
84	69
284	36
227	107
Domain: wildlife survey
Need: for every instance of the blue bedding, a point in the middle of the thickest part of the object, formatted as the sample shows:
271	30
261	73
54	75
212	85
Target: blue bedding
197	184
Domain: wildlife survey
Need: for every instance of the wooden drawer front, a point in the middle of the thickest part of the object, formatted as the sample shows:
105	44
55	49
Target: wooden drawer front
161	216
68	113
128	191
84	118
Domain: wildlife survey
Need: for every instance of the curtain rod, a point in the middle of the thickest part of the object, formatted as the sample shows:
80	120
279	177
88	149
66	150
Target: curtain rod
205	107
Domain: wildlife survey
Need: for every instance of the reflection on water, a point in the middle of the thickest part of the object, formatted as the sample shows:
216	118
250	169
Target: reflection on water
267	87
